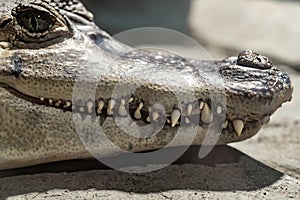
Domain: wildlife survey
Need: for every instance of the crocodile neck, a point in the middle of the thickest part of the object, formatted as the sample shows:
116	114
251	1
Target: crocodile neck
75	68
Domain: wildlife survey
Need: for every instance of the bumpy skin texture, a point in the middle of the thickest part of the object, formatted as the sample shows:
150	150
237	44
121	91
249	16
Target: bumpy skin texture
42	58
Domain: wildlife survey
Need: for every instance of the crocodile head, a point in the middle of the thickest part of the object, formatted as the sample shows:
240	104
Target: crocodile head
46	46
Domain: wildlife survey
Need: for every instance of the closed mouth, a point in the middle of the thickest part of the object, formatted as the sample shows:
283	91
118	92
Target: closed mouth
200	113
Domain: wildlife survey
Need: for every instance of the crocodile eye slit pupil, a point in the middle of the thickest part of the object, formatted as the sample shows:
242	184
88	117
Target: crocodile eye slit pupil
35	21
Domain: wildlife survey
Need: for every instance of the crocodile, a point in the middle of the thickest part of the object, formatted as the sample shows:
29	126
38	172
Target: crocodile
50	48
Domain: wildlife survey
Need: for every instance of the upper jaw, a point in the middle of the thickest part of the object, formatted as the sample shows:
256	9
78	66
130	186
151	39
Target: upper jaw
252	96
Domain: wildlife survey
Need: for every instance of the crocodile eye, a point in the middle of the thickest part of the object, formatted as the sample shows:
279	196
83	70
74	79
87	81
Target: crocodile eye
37	26
35	21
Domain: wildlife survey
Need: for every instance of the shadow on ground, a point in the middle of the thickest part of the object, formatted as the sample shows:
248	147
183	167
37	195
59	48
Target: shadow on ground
224	169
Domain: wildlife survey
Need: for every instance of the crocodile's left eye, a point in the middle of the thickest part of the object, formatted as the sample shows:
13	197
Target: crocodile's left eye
37	26
35	21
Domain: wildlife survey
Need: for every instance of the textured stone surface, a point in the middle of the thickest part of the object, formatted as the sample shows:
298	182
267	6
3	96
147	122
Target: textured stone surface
245	178
232	175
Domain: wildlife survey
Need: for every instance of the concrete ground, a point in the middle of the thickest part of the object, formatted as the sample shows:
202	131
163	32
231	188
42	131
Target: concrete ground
266	166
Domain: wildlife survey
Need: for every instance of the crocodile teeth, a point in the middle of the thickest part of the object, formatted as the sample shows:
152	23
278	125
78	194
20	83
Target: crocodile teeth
50	101
175	117
131	100
100	107
201	105
42	98
110	107
206	116
238	126
148	119
122	109
68	104
89	106
155	116
190	109
137	114
81	109
187	120
57	104
168	121
225	124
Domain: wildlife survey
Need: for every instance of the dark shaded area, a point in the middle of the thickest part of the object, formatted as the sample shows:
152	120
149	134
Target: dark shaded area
116	16
219	155
224	169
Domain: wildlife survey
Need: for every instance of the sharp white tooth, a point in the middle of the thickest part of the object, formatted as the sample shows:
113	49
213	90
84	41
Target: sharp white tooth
175	117
225	124
141	106
148	119
123	102
155	116
89	106
238	126
68	104
57	104
187	120
110	107
206	115
131	100
81	109
137	114
50	101
219	109
190	109
122	109
201	105
42	98
100	107
168	121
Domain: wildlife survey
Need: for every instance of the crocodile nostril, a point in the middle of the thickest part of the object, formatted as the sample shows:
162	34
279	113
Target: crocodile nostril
252	59
5	20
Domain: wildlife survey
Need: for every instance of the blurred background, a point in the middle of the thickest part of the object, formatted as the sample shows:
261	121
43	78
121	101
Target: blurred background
224	28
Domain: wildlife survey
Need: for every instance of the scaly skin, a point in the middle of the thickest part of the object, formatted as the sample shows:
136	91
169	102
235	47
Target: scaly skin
43	56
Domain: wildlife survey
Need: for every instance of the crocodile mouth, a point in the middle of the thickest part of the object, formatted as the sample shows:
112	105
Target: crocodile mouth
194	114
